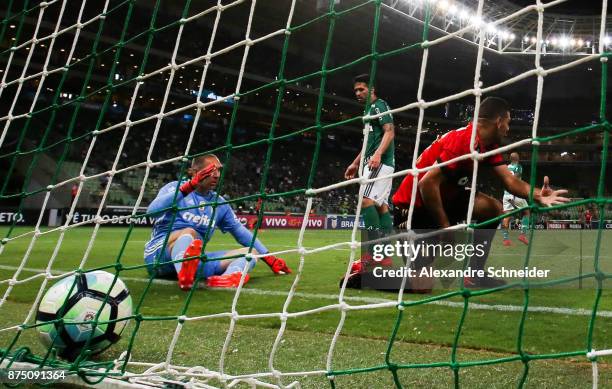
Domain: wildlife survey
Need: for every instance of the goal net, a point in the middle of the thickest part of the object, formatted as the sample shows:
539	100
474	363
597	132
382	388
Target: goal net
66	94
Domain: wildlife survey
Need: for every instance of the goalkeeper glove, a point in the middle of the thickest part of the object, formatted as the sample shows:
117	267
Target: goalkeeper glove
200	176
278	265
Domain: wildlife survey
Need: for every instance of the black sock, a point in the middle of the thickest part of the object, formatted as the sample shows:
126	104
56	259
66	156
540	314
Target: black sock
485	238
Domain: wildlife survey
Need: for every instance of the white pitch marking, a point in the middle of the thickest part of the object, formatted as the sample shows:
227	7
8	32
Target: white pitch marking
368	300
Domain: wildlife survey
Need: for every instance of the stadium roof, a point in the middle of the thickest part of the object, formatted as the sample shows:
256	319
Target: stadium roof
569	27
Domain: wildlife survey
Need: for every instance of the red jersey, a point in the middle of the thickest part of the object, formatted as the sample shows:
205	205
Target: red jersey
587	216
451	145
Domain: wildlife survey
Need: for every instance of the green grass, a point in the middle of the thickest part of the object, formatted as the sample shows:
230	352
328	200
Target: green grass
426	333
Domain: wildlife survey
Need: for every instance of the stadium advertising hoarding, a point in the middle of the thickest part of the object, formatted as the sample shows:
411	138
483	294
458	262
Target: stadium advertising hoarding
10	216
113	217
316	222
574	224
55	217
117	217
343	222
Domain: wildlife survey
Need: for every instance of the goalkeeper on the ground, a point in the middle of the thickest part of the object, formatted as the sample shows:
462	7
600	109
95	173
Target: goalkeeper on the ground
194	222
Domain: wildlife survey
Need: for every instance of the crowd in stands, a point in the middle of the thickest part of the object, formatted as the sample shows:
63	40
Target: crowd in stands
289	167
291	159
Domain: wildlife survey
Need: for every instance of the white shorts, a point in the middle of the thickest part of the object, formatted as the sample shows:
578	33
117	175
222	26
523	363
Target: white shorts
512	202
378	191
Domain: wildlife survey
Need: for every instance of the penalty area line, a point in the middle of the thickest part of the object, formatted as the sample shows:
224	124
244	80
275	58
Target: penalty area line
366	300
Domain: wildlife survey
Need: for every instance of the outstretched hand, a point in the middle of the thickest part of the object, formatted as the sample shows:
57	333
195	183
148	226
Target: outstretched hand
277	265
549	197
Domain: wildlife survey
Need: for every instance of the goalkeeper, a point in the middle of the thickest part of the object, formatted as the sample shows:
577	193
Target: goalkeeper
190	227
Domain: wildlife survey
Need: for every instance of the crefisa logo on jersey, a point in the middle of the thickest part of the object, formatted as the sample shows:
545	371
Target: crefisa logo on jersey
202	220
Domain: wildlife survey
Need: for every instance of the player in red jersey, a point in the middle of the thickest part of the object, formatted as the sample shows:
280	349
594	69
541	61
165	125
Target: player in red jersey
442	195
588	217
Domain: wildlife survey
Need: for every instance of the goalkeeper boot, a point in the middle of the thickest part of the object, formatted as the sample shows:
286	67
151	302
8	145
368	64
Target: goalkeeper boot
231	280
523	238
186	275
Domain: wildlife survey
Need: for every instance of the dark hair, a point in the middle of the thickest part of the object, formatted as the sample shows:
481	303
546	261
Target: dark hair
365	78
493	107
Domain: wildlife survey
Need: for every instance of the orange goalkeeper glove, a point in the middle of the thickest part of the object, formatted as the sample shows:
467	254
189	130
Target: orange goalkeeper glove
278	265
200	176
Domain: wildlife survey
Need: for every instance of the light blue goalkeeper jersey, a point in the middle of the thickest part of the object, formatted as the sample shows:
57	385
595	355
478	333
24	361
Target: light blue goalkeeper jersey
517	171
199	218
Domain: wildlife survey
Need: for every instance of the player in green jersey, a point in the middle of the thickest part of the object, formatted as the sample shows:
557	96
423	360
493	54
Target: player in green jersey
512	202
379	159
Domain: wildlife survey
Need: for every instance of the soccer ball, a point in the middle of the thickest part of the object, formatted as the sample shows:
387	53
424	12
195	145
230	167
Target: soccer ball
85	300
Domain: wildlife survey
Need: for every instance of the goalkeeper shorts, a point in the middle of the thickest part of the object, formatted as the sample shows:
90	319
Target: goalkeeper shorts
379	190
167	270
512	202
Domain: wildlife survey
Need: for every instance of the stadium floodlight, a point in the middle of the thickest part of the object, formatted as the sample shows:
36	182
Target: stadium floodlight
453	9
573	42
512	36
491	29
607	40
443	4
554	41
588	43
534	39
464	14
526	39
564	42
476	21
580	42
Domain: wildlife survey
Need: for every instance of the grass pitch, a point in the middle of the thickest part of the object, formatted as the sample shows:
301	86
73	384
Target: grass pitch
557	322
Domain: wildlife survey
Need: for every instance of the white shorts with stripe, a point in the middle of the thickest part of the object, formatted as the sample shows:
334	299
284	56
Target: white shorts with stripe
379	190
512	202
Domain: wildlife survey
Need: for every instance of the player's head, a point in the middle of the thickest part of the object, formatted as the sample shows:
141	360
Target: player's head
514	157
361	89
494	115
200	163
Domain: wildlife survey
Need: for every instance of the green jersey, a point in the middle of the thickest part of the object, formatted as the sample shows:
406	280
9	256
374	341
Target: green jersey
517	171
376	133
